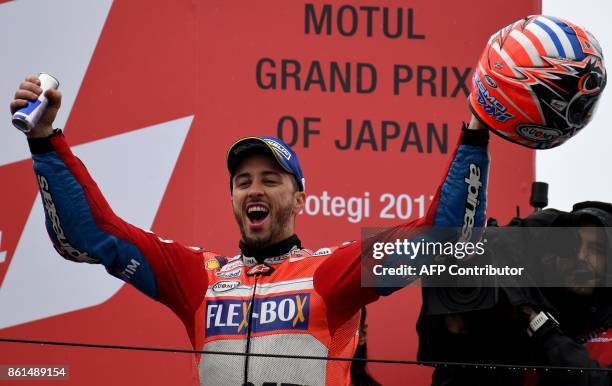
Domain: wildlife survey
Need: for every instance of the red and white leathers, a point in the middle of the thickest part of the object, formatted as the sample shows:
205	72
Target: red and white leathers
299	303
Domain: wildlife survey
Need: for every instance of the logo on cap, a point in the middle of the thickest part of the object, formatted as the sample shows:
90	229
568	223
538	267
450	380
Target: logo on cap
279	148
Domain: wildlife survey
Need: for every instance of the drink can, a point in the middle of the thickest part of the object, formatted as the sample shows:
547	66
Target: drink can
27	117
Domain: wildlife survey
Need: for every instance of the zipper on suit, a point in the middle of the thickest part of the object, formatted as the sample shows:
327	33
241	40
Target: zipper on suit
249	322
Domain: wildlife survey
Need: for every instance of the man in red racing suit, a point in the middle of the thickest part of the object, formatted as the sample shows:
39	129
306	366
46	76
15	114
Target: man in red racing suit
275	296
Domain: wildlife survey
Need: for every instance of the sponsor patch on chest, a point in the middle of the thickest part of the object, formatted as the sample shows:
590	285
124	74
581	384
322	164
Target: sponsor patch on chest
225	285
230	274
231	316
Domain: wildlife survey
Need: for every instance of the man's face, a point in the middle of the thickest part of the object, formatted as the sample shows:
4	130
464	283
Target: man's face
588	270
265	201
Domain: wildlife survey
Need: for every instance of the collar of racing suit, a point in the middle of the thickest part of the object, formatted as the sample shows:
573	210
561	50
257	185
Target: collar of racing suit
271	251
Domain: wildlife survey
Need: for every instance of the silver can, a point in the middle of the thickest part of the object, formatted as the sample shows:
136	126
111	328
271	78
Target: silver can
27	117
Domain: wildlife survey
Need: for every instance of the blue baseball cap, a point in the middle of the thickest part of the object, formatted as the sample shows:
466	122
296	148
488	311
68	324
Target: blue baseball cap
283	154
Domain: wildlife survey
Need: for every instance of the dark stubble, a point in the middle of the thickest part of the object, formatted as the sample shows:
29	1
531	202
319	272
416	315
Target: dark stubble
278	222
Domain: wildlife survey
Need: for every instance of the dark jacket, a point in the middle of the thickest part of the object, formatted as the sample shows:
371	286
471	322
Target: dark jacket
498	334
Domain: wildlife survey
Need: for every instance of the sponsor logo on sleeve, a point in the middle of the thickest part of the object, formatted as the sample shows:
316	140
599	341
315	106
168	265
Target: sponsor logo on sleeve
64	247
473	183
130	270
230	316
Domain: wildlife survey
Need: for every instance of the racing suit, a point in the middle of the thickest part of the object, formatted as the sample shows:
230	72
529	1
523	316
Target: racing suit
301	302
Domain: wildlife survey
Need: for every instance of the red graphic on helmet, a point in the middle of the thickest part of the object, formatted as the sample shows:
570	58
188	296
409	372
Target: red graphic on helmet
538	81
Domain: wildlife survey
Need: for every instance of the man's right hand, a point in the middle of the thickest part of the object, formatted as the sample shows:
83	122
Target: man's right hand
29	90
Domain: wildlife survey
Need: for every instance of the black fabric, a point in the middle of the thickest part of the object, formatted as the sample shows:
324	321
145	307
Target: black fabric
498	335
273	250
493	336
42	145
604	206
593	312
359	372
247	149
545	218
558	349
580	315
581	318
474	137
234	161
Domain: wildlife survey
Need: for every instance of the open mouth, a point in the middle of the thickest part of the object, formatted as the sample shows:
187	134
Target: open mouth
583	276
257	214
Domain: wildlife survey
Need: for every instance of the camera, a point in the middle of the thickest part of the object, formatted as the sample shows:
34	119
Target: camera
534	242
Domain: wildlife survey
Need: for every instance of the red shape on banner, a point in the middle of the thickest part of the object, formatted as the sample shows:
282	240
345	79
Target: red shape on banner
16	199
157	61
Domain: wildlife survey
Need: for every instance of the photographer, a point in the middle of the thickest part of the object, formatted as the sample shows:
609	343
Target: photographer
520	328
581	338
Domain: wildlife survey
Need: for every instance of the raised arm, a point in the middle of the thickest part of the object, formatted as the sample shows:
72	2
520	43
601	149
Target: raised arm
459	202
83	227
